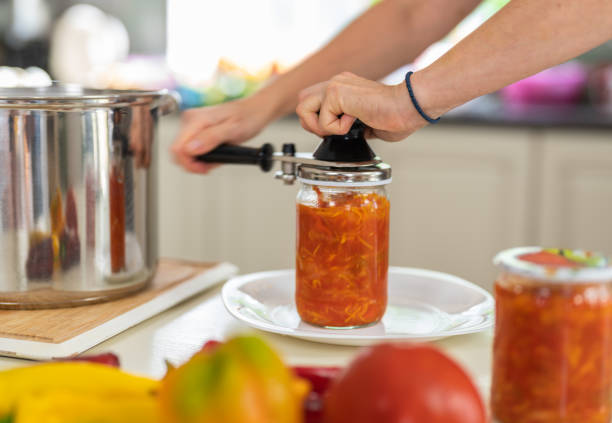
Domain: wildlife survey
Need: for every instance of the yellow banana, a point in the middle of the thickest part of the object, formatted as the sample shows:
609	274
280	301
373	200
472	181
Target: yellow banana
73	407
84	378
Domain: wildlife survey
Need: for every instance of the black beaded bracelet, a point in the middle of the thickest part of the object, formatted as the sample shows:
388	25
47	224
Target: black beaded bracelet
416	103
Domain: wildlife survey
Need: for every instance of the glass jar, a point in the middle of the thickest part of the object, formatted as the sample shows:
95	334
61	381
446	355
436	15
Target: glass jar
342	253
552	353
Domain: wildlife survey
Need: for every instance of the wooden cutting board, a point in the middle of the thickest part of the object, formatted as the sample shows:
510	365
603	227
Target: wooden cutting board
65	332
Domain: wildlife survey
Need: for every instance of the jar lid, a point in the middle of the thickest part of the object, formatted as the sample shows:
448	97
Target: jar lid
379	174
555	264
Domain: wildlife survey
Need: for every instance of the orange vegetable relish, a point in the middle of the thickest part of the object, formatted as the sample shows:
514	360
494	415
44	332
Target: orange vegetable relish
342	258
552	354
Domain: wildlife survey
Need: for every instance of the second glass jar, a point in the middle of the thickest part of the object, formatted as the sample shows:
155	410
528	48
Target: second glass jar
552	354
342	255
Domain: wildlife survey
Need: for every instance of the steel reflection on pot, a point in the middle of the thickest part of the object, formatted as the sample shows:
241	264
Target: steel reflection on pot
77	194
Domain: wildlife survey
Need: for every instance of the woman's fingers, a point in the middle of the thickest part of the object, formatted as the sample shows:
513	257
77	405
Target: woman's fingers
187	135
205	128
333	118
198	136
332	107
197	167
203	142
321	110
346	121
308	111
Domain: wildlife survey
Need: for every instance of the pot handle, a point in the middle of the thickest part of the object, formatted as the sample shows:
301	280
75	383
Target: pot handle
168	103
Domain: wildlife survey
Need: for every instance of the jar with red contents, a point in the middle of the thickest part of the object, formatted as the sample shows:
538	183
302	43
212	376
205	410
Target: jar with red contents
342	225
552	353
342	253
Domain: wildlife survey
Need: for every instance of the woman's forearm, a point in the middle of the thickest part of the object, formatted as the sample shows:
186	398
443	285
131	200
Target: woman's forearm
525	37
384	38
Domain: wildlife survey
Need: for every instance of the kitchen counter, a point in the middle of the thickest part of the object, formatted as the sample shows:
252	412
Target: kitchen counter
490	111
176	334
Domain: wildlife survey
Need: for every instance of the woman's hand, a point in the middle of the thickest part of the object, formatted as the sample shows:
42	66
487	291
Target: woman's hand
331	108
205	128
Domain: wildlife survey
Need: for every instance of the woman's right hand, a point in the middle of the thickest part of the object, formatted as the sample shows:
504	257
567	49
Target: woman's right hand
204	128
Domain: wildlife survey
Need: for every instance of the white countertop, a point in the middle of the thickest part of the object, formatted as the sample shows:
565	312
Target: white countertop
177	333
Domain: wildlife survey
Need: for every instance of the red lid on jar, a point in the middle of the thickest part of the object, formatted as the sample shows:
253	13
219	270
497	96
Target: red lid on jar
555	264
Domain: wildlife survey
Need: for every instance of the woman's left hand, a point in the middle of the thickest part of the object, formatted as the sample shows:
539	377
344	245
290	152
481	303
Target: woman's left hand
331	108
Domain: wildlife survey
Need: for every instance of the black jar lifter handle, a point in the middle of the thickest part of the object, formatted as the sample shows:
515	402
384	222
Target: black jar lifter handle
350	147
236	154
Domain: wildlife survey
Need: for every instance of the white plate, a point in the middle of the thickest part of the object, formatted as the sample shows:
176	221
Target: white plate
423	305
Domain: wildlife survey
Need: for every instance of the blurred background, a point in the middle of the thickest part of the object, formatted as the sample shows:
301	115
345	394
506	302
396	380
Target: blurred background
531	164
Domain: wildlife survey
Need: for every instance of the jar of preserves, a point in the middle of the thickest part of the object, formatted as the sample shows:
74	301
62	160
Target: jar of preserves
552	353
342	241
342	224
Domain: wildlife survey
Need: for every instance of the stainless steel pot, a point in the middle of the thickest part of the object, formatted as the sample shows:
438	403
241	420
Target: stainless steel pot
77	194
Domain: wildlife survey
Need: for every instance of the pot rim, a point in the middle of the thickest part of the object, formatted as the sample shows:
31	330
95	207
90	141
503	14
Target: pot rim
74	96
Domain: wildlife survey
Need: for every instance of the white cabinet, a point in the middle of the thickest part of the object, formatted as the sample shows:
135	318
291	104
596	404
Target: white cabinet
459	195
576	190
457	198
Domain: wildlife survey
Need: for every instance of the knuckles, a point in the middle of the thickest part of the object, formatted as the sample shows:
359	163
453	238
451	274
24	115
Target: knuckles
303	95
333	89
300	110
344	75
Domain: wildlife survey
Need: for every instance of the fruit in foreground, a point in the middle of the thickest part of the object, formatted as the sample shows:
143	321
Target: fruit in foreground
49	384
75	407
240	381
394	383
